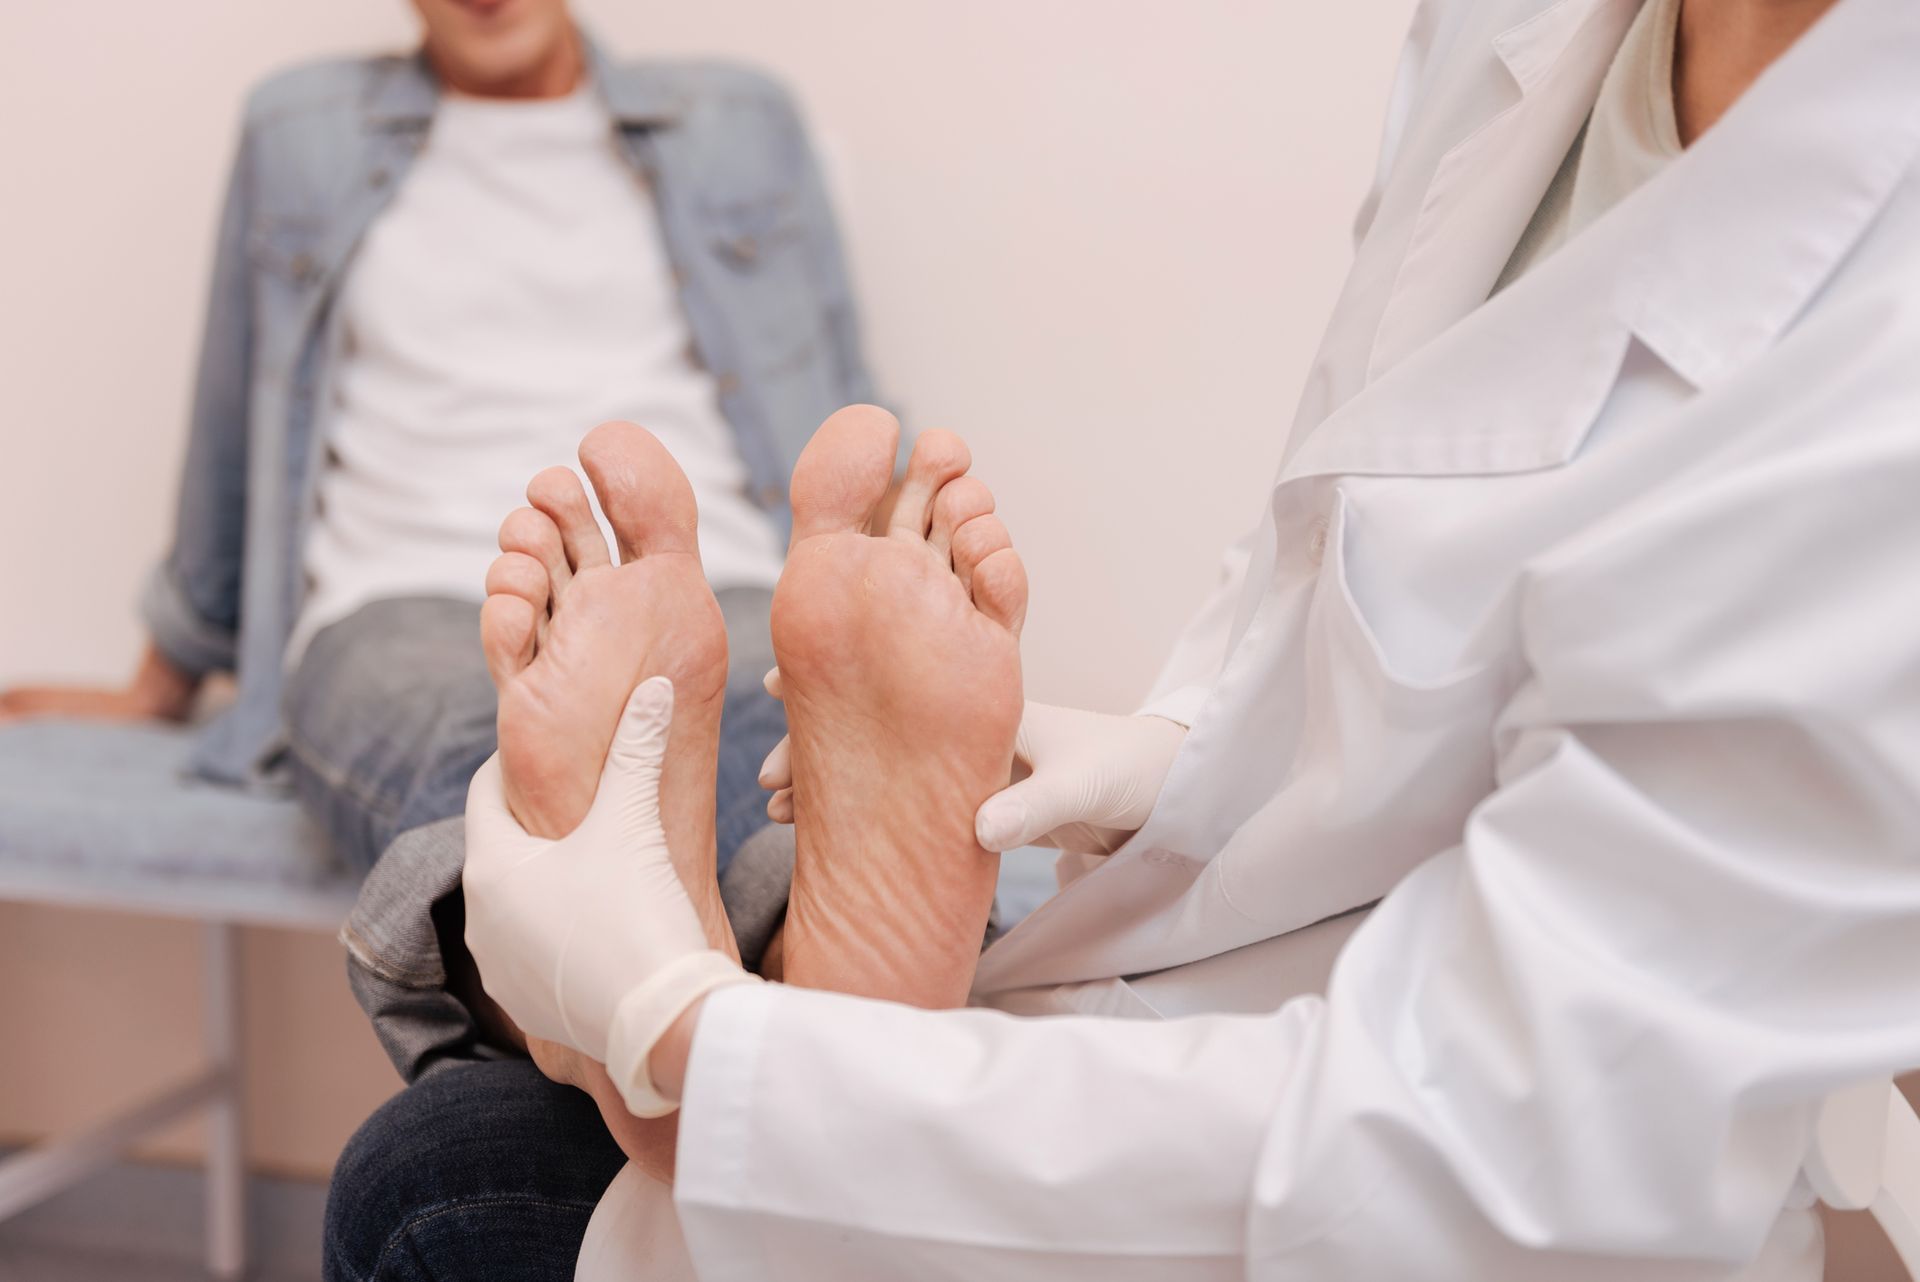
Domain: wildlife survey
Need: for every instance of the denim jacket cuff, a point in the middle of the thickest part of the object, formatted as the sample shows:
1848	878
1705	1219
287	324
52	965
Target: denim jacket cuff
190	643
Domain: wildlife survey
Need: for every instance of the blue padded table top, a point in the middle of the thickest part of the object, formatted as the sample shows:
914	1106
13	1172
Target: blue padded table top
98	814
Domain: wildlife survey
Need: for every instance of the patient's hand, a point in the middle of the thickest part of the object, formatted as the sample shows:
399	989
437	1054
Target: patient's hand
648	1142
158	691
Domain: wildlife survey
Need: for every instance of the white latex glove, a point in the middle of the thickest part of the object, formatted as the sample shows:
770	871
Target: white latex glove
591	940
1092	779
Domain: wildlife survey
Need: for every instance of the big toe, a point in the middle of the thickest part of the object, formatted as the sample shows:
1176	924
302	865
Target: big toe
843	474
647	498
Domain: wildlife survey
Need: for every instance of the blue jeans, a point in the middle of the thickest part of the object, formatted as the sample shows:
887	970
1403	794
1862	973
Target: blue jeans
483	1172
389	713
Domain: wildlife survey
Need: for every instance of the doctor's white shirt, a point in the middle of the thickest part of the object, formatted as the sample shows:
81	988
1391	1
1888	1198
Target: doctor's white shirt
1582	631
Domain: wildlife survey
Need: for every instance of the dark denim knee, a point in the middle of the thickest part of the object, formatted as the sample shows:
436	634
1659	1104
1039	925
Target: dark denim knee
477	1171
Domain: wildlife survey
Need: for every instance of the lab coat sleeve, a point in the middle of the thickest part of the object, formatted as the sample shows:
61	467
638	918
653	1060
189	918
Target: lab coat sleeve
1598	1028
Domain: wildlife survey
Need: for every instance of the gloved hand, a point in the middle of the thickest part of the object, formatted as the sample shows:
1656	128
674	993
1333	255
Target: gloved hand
1093	779
591	940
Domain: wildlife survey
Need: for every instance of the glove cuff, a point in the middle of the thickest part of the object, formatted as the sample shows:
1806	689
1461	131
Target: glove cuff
645	1014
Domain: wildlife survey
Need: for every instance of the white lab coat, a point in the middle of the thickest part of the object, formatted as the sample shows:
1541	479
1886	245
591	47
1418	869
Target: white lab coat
1583	630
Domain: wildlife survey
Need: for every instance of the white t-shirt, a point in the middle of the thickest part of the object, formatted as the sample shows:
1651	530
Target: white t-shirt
515	293
1632	135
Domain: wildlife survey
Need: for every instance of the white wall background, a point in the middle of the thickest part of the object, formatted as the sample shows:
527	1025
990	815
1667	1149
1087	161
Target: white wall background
1097	237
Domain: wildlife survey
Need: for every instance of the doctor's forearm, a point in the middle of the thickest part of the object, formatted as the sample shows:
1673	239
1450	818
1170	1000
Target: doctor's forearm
668	1062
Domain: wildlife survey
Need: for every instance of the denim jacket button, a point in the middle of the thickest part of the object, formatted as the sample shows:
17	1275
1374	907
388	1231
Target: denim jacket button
728	384
377	179
770	496
303	267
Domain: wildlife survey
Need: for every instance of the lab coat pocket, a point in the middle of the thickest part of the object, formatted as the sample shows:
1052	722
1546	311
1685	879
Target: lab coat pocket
1429	675
1395	745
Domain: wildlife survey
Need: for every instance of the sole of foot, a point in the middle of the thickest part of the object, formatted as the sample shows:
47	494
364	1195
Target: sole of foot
899	659
568	633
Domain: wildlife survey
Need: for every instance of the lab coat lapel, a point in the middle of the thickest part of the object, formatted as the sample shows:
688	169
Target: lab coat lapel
1705	265
1484	189
1763	208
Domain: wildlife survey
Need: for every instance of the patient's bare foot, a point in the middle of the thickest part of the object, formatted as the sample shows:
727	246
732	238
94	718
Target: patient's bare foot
568	635
158	692
900	661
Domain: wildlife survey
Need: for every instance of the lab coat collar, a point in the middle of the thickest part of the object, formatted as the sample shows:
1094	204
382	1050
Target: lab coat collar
1484	189
1706	264
1760	211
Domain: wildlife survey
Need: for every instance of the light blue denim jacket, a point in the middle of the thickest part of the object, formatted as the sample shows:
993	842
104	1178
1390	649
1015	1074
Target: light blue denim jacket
323	148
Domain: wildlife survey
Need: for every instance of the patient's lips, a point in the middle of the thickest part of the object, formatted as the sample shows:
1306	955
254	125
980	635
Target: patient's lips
568	634
900	666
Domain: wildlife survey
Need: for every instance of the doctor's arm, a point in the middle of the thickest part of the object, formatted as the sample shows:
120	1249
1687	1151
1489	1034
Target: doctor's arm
1600	1027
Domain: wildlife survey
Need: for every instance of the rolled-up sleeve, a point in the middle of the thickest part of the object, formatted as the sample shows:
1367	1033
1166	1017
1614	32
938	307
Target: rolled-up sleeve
192	643
191	605
1598	1029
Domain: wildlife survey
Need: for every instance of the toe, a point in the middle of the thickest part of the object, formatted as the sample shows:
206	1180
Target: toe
843	473
531	532
558	493
938	457
1000	589
974	542
647	498
959	501
519	575
508	624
